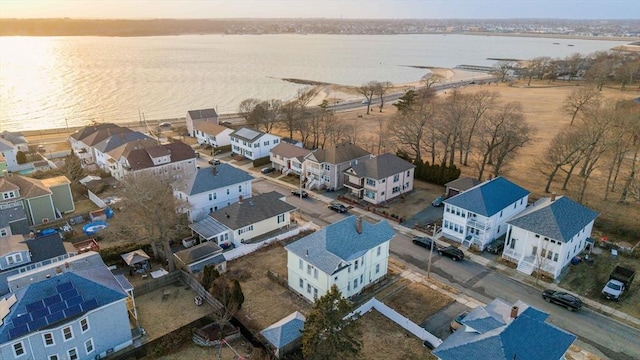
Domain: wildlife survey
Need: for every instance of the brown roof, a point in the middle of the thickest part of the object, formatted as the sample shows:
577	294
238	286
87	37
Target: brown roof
125	149
339	153
289	151
98	136
29	188
209	127
142	159
82	133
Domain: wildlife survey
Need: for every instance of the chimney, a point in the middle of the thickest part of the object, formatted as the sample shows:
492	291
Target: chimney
514	312
553	196
359	224
227	215
215	170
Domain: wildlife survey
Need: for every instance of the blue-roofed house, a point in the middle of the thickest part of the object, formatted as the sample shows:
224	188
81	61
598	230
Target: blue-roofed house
252	144
285	335
477	216
73	311
351	254
212	188
499	331
548	234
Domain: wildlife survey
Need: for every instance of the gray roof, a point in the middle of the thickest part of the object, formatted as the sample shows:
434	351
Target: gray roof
339	153
285	331
247	134
212	178
202	114
117	140
560	219
88	130
46	247
488	198
208	227
12	214
381	167
252	210
329	248
498	337
199	252
462	184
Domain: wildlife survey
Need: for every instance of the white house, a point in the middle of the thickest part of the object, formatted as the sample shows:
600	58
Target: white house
288	158
351	254
101	149
379	179
548	234
324	168
252	144
212	188
9	152
245	220
199	116
210	133
477	216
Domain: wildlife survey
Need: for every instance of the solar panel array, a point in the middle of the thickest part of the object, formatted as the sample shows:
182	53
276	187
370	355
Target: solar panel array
66	303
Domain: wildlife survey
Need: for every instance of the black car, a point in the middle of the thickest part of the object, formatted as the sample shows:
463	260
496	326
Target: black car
214	162
572	303
338	207
425	242
451	252
496	246
439	201
297	193
267	170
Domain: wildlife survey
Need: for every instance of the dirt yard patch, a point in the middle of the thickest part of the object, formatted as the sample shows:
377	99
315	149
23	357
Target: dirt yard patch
418	302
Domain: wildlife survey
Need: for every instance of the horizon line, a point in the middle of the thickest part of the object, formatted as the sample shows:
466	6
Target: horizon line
313	18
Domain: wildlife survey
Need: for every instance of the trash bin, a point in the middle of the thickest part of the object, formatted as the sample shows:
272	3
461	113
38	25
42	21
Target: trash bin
614	253
575	260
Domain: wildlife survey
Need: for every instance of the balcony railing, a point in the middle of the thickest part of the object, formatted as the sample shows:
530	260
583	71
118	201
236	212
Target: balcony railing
480	225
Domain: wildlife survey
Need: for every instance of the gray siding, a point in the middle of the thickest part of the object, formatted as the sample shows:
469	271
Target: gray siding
62	198
40	208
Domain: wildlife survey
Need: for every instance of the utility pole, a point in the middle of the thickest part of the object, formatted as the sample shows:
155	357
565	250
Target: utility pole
433	244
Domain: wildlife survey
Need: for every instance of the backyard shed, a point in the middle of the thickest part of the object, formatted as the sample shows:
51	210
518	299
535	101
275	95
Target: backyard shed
137	260
285	335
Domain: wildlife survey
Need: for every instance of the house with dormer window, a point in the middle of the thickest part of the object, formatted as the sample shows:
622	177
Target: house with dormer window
379	179
548	234
478	216
324	168
175	159
352	254
252	144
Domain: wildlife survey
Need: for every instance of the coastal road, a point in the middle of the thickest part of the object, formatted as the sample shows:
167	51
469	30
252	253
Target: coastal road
596	333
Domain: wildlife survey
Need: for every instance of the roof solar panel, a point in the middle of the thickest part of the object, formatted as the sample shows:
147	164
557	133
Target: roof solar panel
37	324
89	304
69	294
21	320
55	317
74	301
18	331
64	287
57	307
40	313
74	310
52	299
35	306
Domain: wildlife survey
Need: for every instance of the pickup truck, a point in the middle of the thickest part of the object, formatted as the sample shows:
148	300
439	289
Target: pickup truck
619	280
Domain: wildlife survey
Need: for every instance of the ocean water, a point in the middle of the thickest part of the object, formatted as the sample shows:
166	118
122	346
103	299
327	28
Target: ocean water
53	82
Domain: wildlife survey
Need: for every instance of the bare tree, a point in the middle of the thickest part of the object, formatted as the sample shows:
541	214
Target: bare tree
627	73
454	118
572	65
563	150
479	103
431	79
246	107
501	69
368	90
381	90
578	100
229	294
408	129
292	112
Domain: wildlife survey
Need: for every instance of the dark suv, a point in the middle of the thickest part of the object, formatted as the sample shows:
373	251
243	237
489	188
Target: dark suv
496	246
424	242
451	252
338	207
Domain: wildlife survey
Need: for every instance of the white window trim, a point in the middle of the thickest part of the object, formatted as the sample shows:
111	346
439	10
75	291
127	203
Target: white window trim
44	339
54	356
93	347
13	347
69	353
88	326
70	331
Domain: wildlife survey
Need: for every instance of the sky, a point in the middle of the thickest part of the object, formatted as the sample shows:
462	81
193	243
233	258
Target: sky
368	9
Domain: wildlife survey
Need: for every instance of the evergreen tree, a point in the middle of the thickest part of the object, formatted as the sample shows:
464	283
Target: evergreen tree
327	333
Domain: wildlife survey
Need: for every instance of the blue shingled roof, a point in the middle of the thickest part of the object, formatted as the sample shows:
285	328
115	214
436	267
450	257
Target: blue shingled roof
206	180
44	290
285	331
340	242
490	197
560	219
528	337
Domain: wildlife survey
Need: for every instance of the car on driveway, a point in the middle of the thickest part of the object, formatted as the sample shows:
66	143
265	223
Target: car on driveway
438	201
297	192
424	242
337	207
267	170
214	162
496	246
451	252
457	322
572	303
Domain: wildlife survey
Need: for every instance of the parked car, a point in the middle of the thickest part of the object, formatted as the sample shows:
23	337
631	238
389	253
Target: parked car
572	303
424	242
496	246
428	345
451	252
438	201
165	124
619	280
214	162
457	322
338	207
267	170
297	193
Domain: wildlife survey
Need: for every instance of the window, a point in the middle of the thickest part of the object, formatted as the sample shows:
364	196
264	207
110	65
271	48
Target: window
500	213
377	268
555	257
67	334
379	250
210	197
309	288
73	354
315	293
280	218
543	253
355	284
300	265
48	339
8	195
18	349
396	177
534	251
361	279
227	191
408	172
396	189
239	188
308	269
88	345
549	254
327	167
54	357
315	273
84	325
371	182
356	266
301	283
